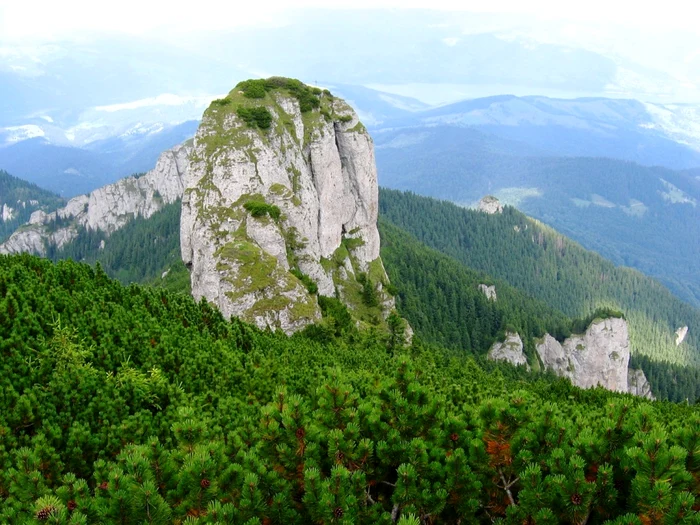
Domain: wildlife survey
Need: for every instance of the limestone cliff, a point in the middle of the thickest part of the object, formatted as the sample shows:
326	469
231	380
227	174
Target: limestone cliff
510	350
680	334
490	204
638	385
489	291
106	209
7	213
281	201
600	356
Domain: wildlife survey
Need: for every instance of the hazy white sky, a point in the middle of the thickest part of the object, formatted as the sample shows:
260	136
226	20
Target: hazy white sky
659	35
45	20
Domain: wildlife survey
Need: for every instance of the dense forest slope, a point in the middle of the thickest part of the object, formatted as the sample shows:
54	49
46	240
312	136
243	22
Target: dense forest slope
644	217
18	200
439	295
135	405
143	251
546	265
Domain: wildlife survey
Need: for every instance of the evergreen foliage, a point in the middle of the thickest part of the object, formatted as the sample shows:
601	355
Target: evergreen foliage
261	208
135	405
140	252
677	383
437	294
258	116
621	209
441	300
23	198
548	266
307	96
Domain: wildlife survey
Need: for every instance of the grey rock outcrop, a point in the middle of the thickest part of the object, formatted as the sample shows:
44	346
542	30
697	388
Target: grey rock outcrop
7	213
510	350
600	356
489	292
638	385
490	204
681	334
106	209
311	176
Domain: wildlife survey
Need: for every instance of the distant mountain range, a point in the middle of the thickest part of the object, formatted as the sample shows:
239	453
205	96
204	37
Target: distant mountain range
567	163
528	151
650	134
70	170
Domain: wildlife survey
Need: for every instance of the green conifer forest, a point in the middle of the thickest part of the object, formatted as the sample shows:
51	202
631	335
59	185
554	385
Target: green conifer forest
128	404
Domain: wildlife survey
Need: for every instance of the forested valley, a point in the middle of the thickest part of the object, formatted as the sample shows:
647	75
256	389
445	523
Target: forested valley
546	265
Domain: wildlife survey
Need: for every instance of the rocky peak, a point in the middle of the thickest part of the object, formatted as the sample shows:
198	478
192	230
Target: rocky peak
490	204
681	333
510	350
638	385
7	213
600	356
281	202
488	291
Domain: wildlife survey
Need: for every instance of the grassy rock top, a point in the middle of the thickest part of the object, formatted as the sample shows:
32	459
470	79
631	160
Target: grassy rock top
255	102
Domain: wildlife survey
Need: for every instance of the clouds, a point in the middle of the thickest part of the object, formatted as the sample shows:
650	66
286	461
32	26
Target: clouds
47	20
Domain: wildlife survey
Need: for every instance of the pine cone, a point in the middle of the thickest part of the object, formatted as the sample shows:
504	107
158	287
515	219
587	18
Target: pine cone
338	512
576	499
72	505
300	433
104	485
44	513
205	484
454	436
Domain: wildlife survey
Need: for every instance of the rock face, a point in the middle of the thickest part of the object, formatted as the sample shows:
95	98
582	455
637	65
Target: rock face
680	334
598	357
638	385
106	209
287	198
488	291
490	205
7	213
510	350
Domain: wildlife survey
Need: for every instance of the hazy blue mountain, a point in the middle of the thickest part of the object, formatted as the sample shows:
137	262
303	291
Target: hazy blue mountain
63	79
644	217
650	134
64	170
136	152
376	107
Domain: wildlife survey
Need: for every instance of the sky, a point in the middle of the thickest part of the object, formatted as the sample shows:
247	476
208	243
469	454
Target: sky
44	20
656	34
661	36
